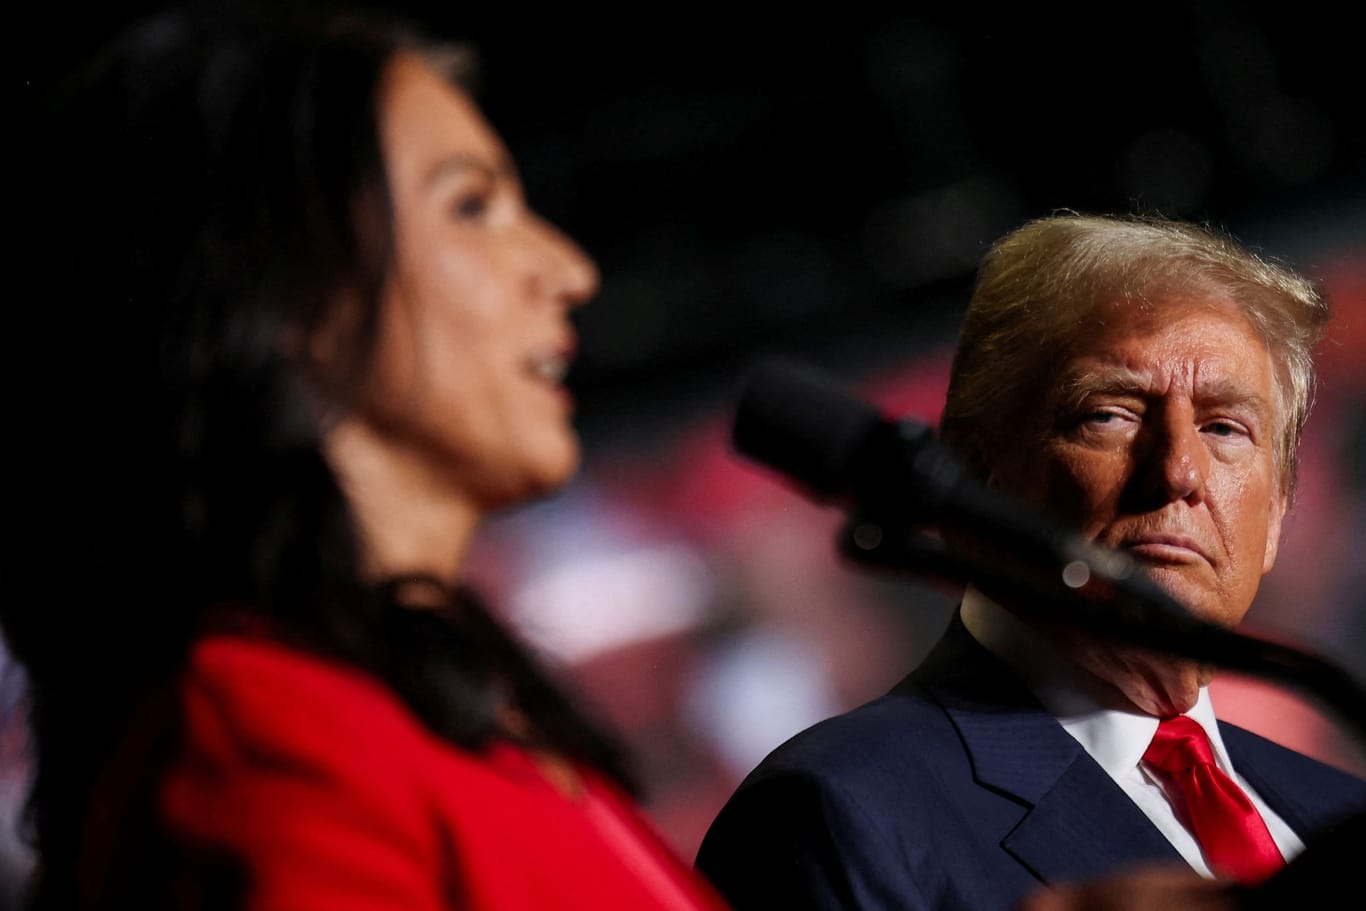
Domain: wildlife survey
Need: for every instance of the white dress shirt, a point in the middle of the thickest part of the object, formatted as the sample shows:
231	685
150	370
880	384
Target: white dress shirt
1115	739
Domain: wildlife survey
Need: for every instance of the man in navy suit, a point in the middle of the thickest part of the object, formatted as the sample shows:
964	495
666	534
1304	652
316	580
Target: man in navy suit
1146	381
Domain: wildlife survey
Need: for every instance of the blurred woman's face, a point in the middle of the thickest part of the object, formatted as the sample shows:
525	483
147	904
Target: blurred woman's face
474	338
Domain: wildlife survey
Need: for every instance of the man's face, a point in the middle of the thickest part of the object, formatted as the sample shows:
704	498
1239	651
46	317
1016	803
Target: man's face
1156	437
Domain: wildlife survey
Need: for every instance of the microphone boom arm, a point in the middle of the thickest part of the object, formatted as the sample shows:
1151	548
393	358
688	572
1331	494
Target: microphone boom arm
1080	595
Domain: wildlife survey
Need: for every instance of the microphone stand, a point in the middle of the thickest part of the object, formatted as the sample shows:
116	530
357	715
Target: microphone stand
1079	590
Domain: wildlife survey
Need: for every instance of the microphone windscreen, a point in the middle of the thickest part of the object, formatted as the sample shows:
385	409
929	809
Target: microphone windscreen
798	421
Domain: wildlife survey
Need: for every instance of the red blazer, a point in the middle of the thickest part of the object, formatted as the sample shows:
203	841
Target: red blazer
334	796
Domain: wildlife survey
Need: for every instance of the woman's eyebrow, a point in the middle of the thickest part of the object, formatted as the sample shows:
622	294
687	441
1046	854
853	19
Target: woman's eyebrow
461	161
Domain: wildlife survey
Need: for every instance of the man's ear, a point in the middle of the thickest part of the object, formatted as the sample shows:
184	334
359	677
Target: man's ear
972	454
1279	505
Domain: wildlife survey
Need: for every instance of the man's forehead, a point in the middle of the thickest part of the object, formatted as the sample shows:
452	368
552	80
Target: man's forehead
1208	349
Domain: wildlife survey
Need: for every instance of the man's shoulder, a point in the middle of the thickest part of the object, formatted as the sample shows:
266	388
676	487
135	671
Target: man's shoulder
906	727
1311	794
924	722
1284	763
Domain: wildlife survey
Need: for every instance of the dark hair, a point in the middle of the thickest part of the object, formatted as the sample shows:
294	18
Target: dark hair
201	198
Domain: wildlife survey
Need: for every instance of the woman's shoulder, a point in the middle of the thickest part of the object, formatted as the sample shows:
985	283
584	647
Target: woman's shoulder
308	772
225	655
266	727
253	692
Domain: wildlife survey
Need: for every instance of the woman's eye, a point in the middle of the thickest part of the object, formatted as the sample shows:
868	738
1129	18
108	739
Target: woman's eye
471	207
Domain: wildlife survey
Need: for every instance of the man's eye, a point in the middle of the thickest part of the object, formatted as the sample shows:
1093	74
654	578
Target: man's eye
1106	420
1223	429
1101	418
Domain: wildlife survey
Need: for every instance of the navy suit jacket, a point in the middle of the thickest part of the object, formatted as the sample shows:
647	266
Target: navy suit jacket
958	790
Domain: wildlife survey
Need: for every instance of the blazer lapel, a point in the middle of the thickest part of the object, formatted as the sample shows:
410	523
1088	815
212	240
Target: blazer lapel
1077	820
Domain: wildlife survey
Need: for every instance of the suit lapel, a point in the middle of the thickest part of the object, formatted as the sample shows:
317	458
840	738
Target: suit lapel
1249	758
1083	824
1309	797
1077	820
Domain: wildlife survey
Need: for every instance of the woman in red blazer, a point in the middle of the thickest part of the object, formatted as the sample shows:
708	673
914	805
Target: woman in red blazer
293	333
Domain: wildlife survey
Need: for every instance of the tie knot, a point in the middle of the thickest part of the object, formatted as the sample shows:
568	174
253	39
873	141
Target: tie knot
1180	743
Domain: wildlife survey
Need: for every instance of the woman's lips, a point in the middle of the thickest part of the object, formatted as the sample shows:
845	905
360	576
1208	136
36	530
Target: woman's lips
551	364
549	367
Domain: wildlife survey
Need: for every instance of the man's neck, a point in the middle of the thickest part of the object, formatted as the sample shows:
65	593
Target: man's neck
1061	684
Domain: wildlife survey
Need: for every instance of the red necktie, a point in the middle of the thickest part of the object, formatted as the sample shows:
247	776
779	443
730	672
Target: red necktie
1228	827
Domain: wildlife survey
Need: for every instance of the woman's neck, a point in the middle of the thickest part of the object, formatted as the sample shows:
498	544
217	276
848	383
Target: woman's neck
409	524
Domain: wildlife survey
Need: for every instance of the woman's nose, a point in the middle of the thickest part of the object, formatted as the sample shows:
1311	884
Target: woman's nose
566	273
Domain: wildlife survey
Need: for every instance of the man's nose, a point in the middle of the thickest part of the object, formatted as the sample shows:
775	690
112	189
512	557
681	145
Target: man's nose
1174	461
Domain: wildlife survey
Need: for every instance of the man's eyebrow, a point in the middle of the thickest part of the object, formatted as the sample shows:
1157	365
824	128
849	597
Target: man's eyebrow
1120	381
1075	389
1231	393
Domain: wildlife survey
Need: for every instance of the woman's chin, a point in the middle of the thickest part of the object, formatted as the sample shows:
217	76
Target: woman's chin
542	477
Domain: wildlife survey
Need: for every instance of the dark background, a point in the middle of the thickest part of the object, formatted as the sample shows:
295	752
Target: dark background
754	181
826	181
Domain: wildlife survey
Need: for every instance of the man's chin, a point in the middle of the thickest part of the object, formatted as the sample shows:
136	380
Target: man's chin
1196	589
1157	685
1164	700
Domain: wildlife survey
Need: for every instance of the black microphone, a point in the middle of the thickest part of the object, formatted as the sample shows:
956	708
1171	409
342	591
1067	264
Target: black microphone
842	450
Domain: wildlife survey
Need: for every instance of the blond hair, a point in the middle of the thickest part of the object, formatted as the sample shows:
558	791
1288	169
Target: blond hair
1039	286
